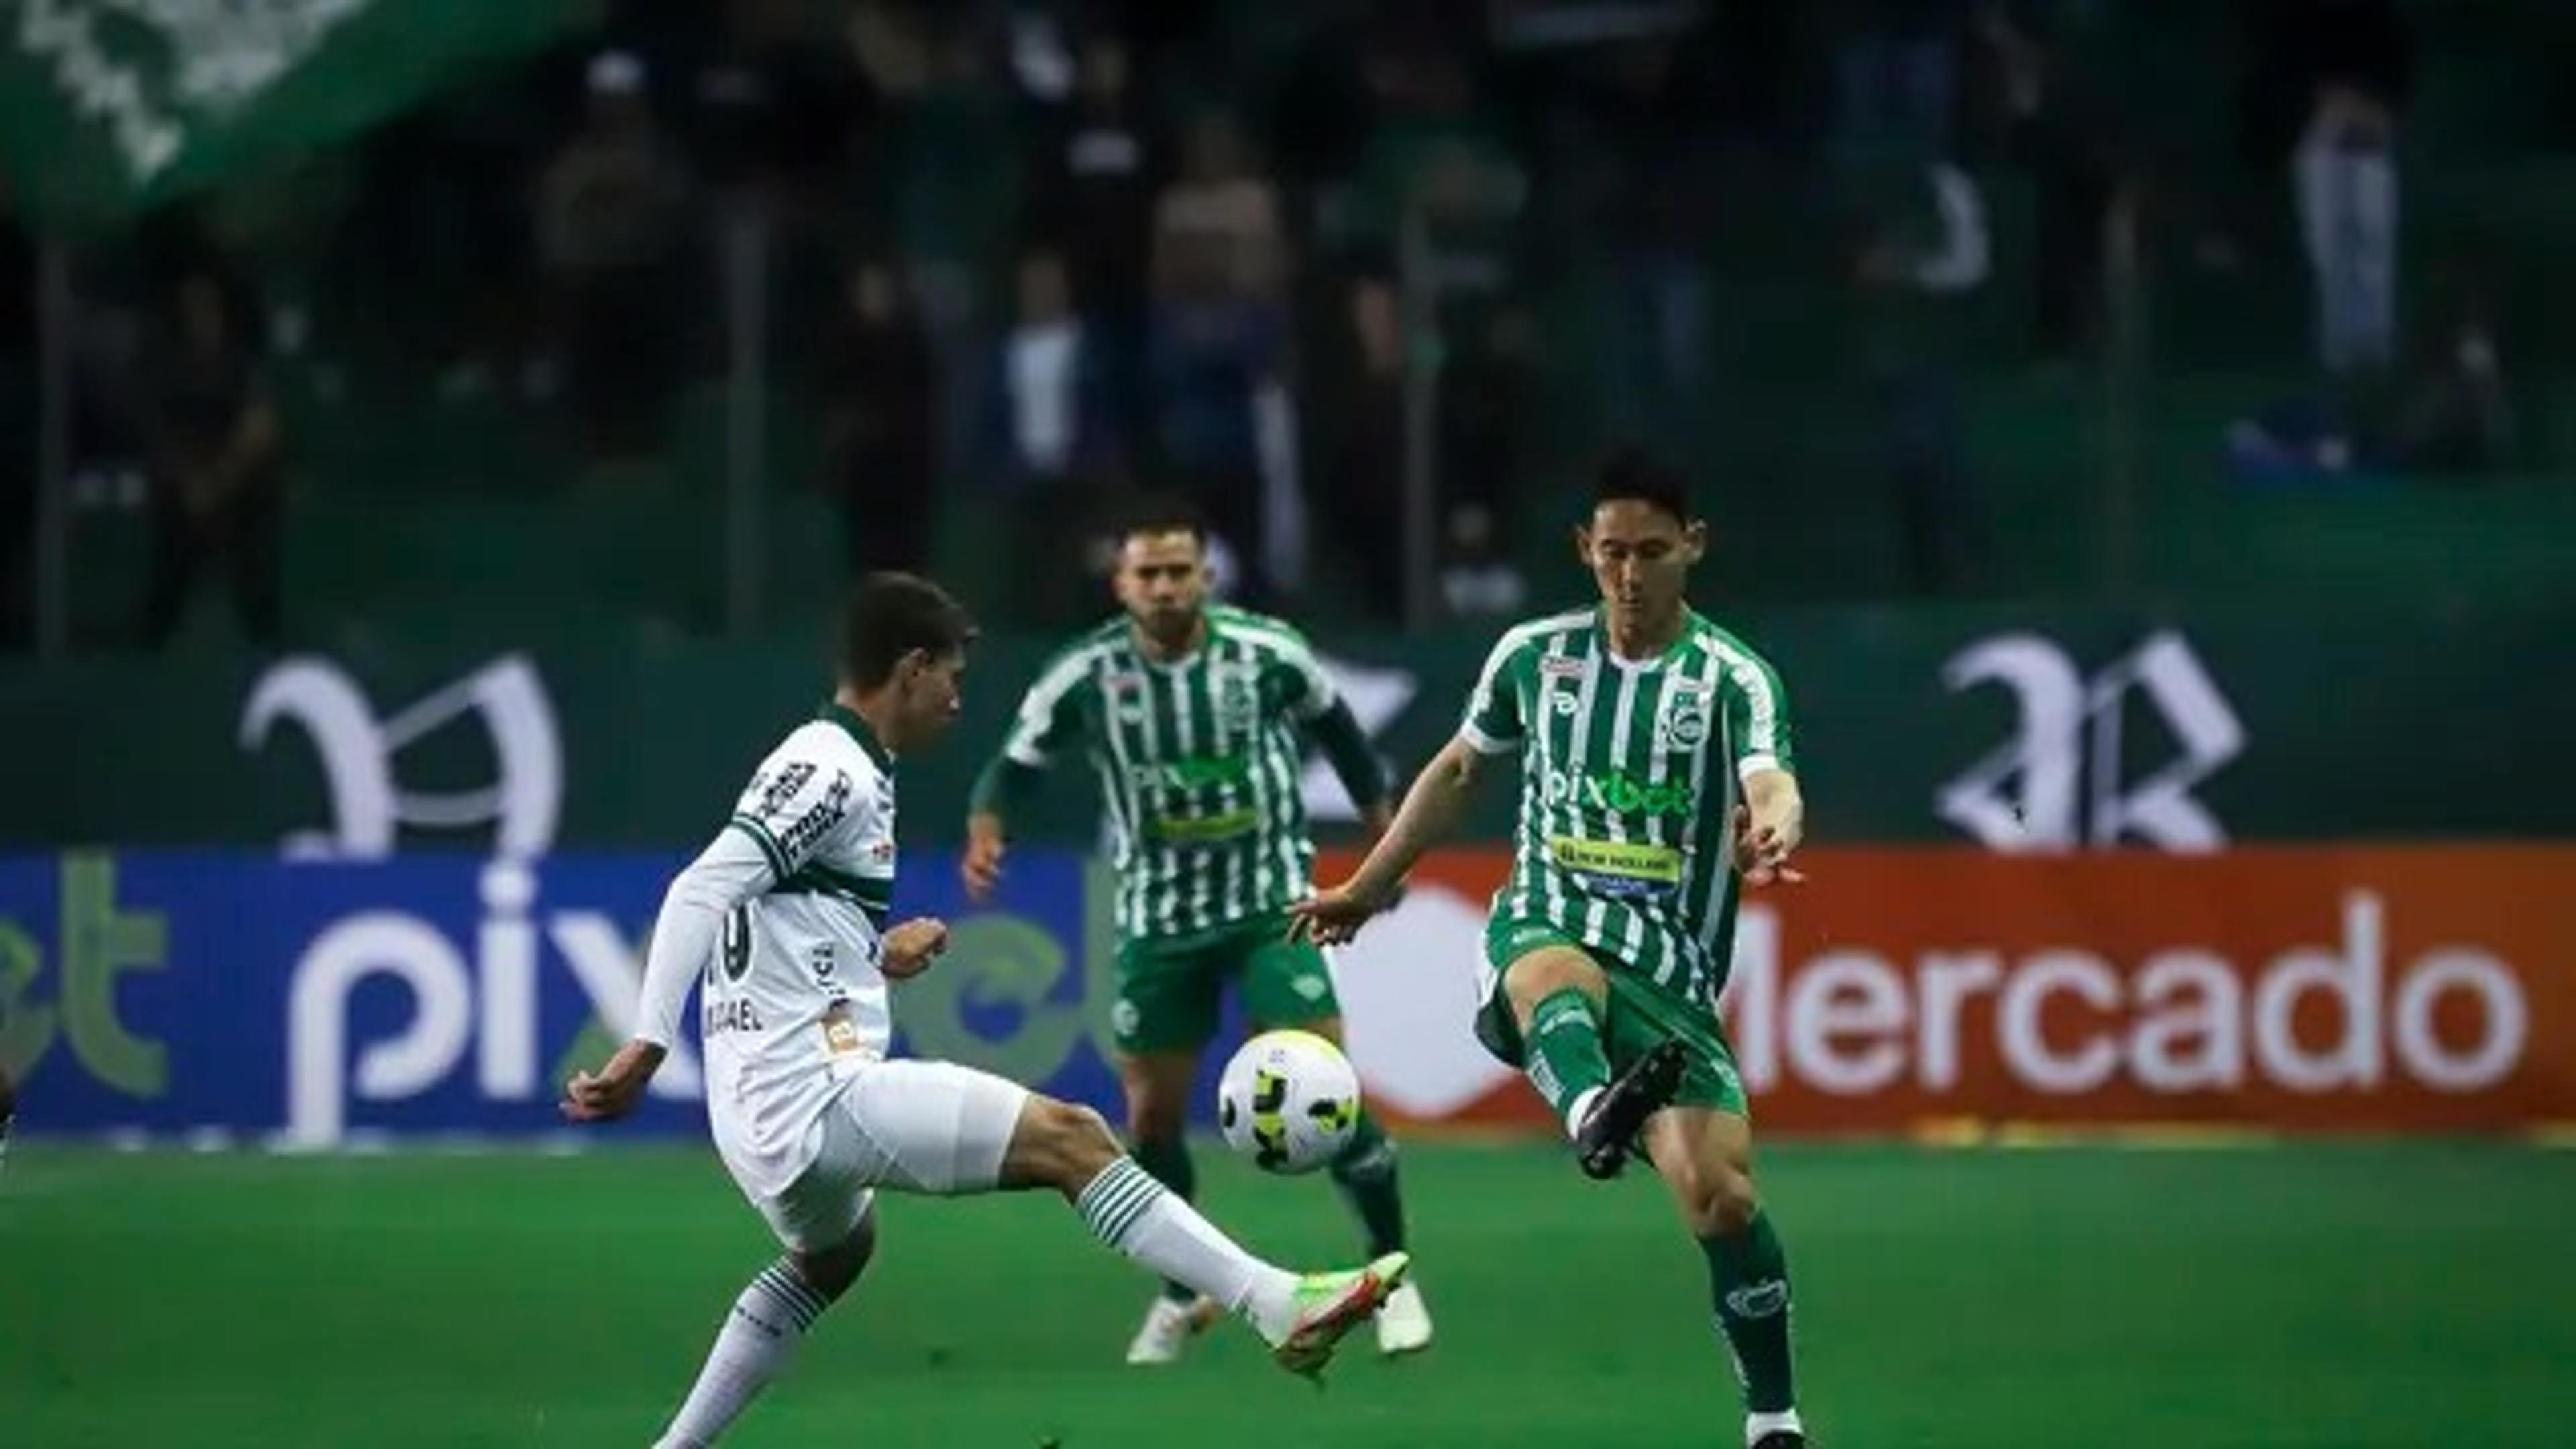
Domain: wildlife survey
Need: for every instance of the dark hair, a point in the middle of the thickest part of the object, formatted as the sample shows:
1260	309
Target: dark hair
1631	476
892	614
1162	514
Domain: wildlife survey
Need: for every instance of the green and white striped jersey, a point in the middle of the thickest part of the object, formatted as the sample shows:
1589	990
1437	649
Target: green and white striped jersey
1630	774
1199	762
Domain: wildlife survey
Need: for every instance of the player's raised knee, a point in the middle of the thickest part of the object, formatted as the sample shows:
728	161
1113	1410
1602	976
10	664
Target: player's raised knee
1717	1198
1061	1144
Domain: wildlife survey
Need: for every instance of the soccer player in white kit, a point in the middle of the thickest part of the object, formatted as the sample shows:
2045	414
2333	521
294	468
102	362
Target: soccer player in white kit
782	923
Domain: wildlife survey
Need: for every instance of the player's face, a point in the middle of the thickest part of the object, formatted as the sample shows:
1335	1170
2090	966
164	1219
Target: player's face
932	693
1162	582
1641	557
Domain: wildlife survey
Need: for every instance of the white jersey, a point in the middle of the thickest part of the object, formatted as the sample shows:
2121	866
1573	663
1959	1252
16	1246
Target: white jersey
781	920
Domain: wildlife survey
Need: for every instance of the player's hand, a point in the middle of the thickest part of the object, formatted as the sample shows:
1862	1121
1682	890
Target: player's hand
1331	917
982	866
1762	851
618	1088
912	946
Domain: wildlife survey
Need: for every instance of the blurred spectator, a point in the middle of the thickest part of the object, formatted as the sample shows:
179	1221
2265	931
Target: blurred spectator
1477	580
19	420
1898	72
2334	75
1489	398
1218	213
1925	249
2061	132
1215	368
1096	165
608	228
211	439
1058	438
880	424
777	102
1361	485
2458	416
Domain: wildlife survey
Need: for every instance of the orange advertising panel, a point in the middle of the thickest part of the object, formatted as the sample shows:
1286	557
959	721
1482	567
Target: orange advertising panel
2293	988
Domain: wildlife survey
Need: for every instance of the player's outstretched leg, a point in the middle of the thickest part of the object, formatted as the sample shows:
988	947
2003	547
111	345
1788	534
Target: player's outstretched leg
1158	1092
1303	1318
1557	993
760	1335
1366	1174
1706	1158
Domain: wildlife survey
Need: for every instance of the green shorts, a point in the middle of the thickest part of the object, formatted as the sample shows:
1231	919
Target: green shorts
1639	1015
1169	991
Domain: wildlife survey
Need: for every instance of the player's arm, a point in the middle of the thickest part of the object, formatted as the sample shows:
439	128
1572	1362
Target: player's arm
735	867
1772	822
1431	808
1047	721
1430	812
1345	745
1319	708
791	808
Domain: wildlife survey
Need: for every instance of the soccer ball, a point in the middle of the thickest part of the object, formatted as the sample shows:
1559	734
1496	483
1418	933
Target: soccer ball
1289	1101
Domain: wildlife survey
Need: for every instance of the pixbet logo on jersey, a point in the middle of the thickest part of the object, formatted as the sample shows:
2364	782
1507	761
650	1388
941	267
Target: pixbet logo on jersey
1617	792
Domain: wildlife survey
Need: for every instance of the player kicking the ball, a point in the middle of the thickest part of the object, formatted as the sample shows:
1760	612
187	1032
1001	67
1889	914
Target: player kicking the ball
1196	719
784	917
1655	780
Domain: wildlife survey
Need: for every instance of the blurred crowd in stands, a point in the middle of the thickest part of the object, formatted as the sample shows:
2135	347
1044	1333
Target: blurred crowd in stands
1277	257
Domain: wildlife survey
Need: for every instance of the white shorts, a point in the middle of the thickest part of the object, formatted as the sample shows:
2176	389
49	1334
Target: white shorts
926	1127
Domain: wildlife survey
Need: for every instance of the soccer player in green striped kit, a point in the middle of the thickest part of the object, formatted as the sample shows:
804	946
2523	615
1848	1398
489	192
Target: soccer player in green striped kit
1195	719
1656	780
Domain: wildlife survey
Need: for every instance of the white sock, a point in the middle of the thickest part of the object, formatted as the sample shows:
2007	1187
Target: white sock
1581	1106
1757	1425
1127	1209
753	1347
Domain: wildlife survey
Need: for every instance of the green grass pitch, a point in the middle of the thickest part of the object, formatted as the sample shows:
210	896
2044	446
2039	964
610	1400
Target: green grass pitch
2349	1296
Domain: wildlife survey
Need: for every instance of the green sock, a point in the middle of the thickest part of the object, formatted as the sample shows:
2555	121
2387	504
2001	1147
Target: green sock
1748	1279
1169	1164
1564	1059
1365	1172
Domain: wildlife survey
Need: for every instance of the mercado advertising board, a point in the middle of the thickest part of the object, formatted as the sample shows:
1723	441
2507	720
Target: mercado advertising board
236	997
2300	989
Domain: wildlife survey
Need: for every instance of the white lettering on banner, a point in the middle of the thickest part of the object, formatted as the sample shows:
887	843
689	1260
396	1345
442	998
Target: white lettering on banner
2351	976
2075	973
2214	1019
2508	1019
2186	1020
2049	755
523	805
491	1002
1846	995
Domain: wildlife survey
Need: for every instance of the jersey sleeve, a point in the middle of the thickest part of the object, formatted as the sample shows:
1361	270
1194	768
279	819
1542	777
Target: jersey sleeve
1305	688
1757	717
1493	723
1050	714
801	799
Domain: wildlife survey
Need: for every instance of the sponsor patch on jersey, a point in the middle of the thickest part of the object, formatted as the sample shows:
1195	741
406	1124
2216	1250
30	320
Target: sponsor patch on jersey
1202	829
840	1034
1558	666
1621	868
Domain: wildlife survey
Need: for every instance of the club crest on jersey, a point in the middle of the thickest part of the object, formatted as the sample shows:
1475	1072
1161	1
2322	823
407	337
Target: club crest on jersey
1238	704
1684	722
